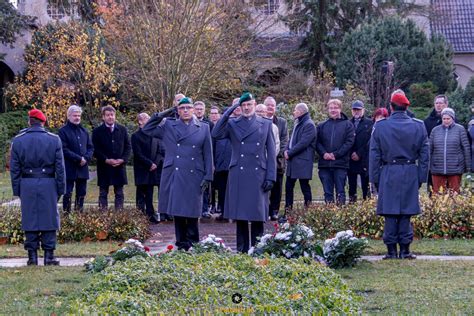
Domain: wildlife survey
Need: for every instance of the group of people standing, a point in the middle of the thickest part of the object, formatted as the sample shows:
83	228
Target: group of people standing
242	154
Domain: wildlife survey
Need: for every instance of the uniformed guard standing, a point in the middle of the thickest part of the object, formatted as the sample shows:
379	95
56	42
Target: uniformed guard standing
398	165
187	168
252	169
38	178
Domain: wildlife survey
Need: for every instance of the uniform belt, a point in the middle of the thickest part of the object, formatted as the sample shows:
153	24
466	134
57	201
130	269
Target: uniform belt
400	162
38	175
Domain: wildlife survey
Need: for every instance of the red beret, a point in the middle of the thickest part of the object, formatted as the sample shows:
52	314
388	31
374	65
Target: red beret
400	99
37	114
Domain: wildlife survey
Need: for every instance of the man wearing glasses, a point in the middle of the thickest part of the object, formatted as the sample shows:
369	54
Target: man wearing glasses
187	168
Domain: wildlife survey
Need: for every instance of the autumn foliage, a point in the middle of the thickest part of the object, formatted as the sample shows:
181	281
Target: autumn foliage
66	64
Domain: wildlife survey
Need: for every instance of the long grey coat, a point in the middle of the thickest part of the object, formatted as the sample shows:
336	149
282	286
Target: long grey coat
187	162
253	162
398	138
37	152
450	150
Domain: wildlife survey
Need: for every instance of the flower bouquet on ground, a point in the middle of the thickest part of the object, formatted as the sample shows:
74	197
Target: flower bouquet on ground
344	249
289	241
132	248
211	244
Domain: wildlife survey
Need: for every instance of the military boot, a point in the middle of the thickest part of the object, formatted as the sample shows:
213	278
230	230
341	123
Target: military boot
49	259
405	252
391	252
32	258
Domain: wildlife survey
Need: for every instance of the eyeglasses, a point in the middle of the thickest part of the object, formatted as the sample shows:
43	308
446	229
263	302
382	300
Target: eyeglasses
185	108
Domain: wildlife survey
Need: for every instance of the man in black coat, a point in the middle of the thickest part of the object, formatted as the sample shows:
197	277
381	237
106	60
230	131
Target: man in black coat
147	165
359	162
335	140
280	122
78	150
299	154
112	150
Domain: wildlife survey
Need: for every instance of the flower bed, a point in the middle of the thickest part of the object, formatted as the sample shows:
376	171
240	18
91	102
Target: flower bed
91	225
210	282
442	216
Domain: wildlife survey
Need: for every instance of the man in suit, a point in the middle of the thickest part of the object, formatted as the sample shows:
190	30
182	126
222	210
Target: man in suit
78	150
252	169
187	168
112	150
280	122
147	164
359	159
398	166
38	178
299	155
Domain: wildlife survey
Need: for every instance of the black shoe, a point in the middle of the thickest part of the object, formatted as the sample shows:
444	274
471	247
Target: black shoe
391	252
206	215
220	217
49	259
32	258
274	218
405	252
153	220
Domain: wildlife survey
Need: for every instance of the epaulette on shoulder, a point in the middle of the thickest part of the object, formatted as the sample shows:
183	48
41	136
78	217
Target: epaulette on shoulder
52	134
417	120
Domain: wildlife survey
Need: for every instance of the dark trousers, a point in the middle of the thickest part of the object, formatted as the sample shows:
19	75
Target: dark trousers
144	199
364	181
186	231
119	197
243	241
47	238
275	195
333	179
205	200
397	229
220	181
289	191
81	187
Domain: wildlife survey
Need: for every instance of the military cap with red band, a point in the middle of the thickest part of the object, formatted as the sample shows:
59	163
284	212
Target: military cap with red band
399	99
37	114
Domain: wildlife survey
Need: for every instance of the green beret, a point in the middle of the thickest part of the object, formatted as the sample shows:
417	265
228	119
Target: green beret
247	96
185	100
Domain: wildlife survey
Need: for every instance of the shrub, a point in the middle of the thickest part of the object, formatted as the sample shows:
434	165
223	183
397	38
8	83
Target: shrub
443	216
91	225
422	94
344	249
184	283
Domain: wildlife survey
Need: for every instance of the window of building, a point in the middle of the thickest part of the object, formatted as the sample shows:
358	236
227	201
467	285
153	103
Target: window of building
267	6
58	10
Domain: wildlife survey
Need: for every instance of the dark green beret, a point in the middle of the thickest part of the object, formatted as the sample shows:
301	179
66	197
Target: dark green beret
247	96
185	100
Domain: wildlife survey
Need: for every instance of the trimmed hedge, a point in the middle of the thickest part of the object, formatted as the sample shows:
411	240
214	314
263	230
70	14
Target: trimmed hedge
10	124
443	216
205	284
91	225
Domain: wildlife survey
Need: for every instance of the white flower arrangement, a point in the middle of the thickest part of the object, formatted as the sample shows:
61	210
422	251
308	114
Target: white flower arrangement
344	249
211	243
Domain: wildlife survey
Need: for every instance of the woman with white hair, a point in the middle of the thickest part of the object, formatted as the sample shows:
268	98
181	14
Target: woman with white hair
450	153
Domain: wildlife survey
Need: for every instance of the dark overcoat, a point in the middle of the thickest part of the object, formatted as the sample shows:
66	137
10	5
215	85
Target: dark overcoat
361	146
147	150
38	177
111	145
282	125
222	154
301	150
76	144
253	162
188	161
396	144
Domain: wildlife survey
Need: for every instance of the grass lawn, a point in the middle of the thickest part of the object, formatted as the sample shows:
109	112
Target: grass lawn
440	247
74	249
415	287
39	290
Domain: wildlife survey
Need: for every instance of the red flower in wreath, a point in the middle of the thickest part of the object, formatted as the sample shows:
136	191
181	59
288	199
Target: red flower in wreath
169	247
147	249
